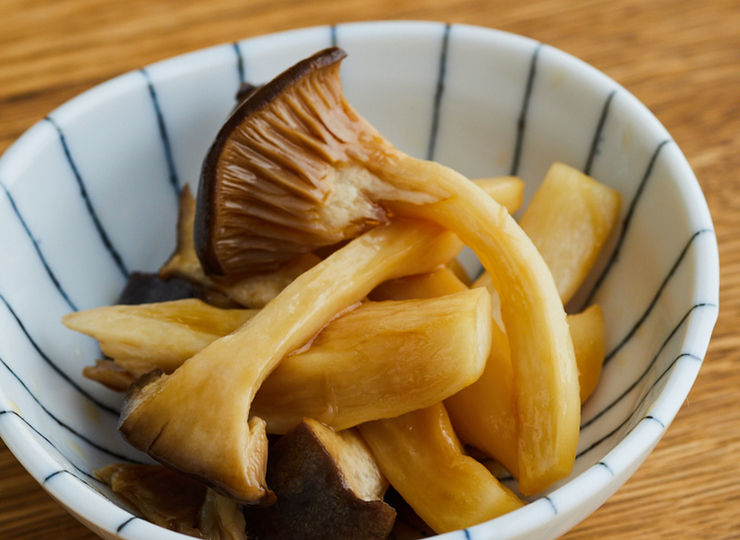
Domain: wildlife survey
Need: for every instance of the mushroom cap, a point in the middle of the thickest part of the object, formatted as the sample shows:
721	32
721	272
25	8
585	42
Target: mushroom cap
272	167
327	485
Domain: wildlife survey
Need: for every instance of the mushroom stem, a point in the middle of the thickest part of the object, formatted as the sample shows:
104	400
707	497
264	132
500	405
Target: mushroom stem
542	352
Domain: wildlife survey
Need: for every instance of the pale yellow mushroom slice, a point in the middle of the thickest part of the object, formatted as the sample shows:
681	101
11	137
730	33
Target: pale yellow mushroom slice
508	191
379	361
542	354
438	282
588	330
110	375
570	219
162	335
221	518
484	413
423	460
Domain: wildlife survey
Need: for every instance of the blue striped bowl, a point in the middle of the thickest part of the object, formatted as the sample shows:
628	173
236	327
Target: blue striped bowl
89	194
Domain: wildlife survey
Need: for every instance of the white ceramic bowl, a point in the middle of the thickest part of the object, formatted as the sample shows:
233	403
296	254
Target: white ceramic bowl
89	194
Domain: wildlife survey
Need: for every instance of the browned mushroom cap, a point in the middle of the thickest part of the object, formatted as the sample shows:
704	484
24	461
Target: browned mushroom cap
268	180
158	494
327	485
174	501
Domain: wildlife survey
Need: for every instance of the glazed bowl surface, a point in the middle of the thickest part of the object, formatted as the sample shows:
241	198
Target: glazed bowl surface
90	195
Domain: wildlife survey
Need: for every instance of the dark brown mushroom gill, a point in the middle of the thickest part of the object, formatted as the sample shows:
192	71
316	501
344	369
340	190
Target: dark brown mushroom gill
286	173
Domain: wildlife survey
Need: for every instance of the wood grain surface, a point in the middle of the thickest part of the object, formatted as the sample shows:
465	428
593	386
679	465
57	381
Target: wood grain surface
679	57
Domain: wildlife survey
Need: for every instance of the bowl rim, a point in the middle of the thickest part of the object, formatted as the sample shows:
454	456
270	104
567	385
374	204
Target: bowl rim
584	490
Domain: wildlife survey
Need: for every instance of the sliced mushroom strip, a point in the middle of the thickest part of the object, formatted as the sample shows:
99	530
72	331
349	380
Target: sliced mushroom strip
296	167
422	458
484	414
438	282
162	335
328	485
195	419
540	345
378	360
570	240
508	191
588	330
221	518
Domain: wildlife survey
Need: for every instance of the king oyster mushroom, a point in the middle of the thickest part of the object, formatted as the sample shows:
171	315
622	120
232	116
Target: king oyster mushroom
295	167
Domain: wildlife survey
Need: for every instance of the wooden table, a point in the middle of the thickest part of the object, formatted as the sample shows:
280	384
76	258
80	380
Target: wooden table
679	57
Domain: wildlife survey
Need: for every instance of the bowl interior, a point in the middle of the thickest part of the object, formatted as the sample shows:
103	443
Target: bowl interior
90	195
